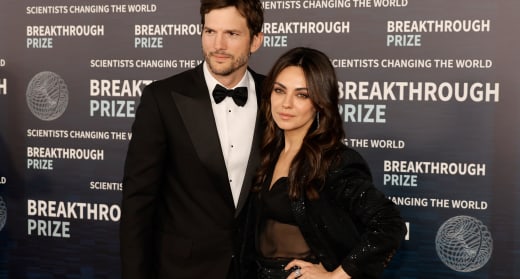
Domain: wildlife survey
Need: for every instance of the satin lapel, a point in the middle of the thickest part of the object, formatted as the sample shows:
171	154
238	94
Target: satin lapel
195	109
254	157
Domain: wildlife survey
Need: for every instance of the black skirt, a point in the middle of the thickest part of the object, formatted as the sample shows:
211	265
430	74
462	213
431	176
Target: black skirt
274	268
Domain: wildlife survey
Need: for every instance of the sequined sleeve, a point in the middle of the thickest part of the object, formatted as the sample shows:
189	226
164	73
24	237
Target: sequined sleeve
381	227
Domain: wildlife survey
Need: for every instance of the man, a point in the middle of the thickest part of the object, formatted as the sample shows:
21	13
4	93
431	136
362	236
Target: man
192	156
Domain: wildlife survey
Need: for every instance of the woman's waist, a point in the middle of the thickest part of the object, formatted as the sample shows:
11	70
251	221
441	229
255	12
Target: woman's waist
282	262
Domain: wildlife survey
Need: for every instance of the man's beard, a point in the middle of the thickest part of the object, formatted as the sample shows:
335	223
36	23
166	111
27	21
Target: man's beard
235	65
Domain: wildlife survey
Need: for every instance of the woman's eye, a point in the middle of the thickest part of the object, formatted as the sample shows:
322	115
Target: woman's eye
278	90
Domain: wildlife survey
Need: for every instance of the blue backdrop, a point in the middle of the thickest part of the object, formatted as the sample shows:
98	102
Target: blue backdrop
429	95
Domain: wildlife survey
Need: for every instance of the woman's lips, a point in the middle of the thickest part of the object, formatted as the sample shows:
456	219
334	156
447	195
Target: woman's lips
285	116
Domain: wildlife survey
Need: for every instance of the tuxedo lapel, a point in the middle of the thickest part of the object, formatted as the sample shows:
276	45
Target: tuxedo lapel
254	157
194	106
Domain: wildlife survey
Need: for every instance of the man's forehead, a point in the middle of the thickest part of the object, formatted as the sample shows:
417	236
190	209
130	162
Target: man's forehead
224	16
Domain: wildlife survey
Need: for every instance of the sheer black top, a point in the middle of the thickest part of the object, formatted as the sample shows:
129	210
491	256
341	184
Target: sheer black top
279	236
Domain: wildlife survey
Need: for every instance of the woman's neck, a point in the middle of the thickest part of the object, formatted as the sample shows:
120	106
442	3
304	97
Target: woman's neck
293	143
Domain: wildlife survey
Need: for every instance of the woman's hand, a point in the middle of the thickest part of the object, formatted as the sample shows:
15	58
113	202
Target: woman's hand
307	270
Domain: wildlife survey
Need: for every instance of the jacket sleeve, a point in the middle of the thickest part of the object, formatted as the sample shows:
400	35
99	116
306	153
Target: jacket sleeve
143	174
377	218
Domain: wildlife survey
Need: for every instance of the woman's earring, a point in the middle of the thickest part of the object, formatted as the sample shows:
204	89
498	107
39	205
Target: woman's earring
318	119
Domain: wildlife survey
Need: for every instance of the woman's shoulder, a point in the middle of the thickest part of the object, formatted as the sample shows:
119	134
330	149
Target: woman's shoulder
349	160
347	155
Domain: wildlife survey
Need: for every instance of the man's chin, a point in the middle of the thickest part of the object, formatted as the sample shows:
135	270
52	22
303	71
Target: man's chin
221	70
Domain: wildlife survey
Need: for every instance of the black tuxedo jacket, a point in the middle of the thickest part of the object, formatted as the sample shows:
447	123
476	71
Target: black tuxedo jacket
178	216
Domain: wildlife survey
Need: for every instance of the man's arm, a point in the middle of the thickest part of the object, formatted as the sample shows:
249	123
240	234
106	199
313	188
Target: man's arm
143	174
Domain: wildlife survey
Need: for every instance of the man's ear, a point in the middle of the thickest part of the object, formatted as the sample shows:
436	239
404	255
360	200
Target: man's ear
258	39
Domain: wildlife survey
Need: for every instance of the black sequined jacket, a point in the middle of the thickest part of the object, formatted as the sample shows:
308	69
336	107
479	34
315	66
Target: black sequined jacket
352	224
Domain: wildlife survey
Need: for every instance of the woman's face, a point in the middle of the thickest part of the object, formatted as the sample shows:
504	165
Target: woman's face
291	106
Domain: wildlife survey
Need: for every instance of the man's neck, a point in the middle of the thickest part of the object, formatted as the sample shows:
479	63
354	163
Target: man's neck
231	80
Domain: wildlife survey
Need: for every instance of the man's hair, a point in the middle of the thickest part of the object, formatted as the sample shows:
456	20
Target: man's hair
251	10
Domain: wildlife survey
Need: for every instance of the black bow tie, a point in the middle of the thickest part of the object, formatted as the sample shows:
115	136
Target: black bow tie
238	94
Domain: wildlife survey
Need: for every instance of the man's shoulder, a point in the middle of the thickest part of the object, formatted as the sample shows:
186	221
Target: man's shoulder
181	82
184	77
256	76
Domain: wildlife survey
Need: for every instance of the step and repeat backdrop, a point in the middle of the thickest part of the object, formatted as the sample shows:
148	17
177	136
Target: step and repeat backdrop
429	94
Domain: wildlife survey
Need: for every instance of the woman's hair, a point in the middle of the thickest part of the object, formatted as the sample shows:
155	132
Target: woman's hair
251	10
325	136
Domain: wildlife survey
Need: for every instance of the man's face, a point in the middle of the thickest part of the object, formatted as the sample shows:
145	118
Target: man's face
226	42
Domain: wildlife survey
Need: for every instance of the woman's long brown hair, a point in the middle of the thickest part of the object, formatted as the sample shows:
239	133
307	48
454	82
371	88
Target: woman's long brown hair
309	167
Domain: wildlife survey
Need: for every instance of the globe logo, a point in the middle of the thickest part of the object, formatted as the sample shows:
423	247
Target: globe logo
3	213
464	244
47	96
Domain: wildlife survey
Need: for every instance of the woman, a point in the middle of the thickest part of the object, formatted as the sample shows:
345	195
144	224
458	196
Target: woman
318	214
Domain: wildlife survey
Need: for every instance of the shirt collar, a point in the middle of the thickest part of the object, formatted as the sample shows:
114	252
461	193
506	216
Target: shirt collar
212	82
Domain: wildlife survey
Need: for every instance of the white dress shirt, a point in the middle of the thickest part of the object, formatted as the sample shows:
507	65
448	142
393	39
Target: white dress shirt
235	127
